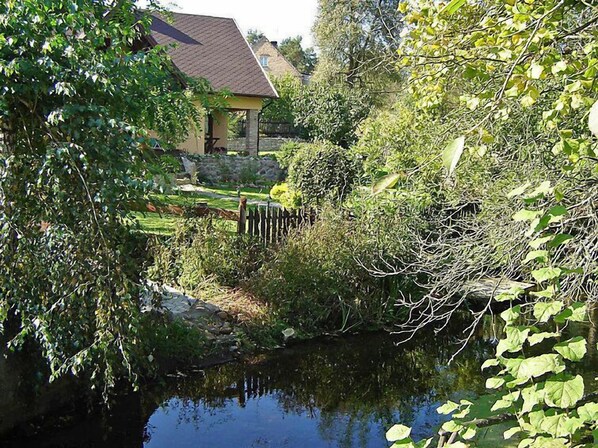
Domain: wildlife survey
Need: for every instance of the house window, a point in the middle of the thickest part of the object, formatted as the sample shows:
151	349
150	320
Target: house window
264	61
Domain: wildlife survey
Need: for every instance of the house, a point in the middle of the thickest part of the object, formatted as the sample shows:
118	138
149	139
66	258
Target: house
273	61
214	48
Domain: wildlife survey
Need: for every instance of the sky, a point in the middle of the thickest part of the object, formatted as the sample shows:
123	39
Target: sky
277	19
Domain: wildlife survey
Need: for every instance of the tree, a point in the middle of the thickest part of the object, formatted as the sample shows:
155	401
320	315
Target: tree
254	35
80	91
358	41
303	59
282	109
537	60
331	113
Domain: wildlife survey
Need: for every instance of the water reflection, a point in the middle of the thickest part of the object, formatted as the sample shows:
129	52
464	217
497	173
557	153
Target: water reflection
334	393
342	393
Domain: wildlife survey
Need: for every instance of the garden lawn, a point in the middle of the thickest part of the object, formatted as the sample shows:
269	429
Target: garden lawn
164	224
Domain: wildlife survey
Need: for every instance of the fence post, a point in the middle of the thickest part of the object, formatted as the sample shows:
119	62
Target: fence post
268	224
263	220
274	235
251	223
241	228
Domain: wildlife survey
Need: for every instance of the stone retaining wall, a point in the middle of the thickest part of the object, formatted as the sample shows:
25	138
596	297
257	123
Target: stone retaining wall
266	143
245	170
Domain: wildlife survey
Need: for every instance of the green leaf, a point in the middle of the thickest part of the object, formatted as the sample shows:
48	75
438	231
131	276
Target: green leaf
510	315
511	432
579	312
501	404
518	191
452	154
536	70
398	432
539	337
559	425
558	210
490	363
543	311
425	443
546	274
540	255
447	408
469	432
544	189
588	412
452	7
512	294
537	243
563	391
593	119
494	383
547	293
526	215
532	396
386	183
560	239
537	366
452	426
574	349
514	340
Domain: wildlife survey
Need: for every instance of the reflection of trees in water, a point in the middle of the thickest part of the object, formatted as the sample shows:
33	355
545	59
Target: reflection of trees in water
351	386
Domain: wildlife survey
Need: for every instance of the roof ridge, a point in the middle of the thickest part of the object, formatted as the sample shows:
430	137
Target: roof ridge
200	15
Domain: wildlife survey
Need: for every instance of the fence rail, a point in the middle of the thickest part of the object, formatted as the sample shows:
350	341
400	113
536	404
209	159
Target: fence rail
270	224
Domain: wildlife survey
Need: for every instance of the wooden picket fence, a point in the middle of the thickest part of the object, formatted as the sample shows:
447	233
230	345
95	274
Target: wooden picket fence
272	224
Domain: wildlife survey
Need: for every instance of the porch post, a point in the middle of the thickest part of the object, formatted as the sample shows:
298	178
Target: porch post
252	132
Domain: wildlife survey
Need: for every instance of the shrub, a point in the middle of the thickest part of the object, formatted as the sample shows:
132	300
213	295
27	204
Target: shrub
287	152
172	344
201	250
315	282
289	199
323	171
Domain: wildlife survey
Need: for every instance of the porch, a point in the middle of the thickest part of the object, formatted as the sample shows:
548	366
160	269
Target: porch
212	138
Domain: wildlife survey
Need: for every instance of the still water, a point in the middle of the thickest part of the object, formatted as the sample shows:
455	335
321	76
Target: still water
332	393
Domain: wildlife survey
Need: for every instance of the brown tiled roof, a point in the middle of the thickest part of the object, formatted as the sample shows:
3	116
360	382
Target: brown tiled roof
213	48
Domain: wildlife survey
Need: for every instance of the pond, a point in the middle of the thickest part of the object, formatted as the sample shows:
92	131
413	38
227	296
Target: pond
342	392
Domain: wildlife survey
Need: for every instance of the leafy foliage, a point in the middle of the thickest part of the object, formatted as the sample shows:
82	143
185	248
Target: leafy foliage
358	41
304	59
200	251
315	284
282	109
288	198
78	94
321	172
331	113
498	59
254	35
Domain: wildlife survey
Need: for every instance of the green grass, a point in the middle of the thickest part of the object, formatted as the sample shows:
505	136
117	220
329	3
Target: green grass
156	223
255	193
164	224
